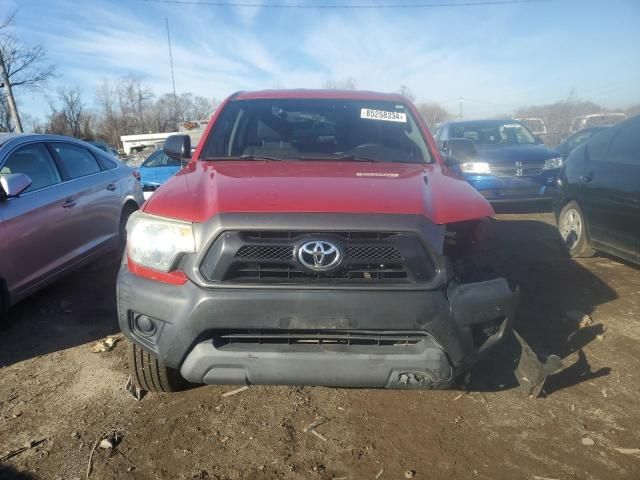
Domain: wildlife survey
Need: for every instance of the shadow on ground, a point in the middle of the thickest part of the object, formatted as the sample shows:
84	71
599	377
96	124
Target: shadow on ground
7	472
531	255
77	309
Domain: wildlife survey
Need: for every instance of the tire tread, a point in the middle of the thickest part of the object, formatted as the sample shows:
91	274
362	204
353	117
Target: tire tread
151	374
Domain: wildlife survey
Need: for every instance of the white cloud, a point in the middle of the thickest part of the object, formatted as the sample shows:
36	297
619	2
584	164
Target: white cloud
440	54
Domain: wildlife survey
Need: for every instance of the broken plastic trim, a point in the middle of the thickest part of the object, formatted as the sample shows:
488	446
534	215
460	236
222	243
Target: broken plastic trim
531	372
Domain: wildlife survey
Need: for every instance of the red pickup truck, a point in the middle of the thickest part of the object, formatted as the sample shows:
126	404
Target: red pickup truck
312	239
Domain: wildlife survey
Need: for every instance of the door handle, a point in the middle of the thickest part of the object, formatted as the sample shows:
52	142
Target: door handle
586	178
111	187
69	203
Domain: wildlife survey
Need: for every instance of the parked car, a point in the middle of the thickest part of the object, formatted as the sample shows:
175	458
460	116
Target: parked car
511	164
578	139
309	241
597	120
597	205
156	170
63	202
105	148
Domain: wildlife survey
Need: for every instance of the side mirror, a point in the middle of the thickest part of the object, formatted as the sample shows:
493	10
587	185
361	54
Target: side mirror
178	146
13	184
460	150
538	139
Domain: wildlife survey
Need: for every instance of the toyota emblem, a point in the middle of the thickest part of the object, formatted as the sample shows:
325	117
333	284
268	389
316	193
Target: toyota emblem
319	255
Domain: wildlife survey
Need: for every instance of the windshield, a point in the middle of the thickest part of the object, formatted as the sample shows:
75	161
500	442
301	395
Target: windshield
318	129
160	159
493	133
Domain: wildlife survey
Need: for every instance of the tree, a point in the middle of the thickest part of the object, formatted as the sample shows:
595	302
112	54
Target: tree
559	116
72	109
20	66
433	113
348	83
407	93
70	118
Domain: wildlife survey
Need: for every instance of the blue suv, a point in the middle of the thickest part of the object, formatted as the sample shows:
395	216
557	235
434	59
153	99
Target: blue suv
508	164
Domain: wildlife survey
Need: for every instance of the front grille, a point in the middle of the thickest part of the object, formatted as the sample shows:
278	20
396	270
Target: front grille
270	257
285	252
525	170
266	252
149	188
318	337
373	253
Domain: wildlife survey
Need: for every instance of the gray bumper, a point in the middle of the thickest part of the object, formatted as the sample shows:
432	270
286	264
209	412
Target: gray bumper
190	319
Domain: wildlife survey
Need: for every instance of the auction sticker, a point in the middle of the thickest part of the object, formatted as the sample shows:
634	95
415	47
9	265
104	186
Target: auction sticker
383	115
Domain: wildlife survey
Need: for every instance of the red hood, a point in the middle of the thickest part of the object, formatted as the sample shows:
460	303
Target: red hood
204	189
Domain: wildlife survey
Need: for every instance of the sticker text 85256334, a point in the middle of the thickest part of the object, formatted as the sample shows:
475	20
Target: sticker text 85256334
371	114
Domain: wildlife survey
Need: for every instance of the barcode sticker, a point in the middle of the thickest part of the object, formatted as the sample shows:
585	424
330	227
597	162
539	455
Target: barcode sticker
370	114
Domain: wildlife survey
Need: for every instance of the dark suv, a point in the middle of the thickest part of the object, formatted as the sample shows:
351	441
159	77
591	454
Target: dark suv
510	164
310	240
597	204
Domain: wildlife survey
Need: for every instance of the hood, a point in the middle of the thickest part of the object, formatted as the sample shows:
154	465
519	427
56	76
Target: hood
156	175
203	189
515	153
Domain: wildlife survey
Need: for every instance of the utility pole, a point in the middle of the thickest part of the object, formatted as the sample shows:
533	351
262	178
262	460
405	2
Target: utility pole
461	100
173	80
12	102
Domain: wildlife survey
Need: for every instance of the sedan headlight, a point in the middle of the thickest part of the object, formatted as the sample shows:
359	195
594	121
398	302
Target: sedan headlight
552	163
158	243
475	167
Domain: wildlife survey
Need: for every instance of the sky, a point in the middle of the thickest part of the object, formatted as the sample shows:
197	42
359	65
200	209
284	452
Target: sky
496	57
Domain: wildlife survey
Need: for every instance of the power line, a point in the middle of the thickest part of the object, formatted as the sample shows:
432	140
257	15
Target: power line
360	6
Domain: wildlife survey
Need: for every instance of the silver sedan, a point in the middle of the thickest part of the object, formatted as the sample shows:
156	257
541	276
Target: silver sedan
63	203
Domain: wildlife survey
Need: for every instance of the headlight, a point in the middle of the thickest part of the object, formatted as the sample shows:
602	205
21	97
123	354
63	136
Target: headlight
475	167
158	243
557	162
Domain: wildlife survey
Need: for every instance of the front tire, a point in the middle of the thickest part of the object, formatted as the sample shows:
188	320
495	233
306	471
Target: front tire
574	232
151	374
122	235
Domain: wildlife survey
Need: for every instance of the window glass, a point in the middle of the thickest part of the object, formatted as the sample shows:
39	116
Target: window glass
77	161
312	129
597	146
34	161
437	133
493	133
161	159
105	160
625	147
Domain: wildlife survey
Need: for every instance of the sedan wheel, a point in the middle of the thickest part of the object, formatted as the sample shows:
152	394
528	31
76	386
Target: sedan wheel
573	230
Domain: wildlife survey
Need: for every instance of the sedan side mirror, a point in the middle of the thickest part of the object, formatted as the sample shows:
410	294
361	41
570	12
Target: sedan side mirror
460	150
178	146
13	184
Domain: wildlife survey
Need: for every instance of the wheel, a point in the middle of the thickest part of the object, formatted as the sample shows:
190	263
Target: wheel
151	374
124	217
573	230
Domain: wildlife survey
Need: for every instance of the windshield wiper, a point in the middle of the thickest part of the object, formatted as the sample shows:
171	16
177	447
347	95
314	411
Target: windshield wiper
337	158
244	158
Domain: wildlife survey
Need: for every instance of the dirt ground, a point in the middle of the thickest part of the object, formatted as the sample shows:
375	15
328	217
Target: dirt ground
56	392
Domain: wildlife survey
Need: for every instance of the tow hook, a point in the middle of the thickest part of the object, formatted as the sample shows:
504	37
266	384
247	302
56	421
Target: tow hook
532	372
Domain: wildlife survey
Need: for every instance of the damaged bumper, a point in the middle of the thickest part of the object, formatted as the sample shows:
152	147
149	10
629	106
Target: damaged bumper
332	337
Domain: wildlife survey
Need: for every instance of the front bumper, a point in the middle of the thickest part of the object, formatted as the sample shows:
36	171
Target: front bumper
455	327
507	189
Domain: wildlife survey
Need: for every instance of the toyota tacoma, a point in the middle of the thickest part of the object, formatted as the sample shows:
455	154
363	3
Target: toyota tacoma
313	238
